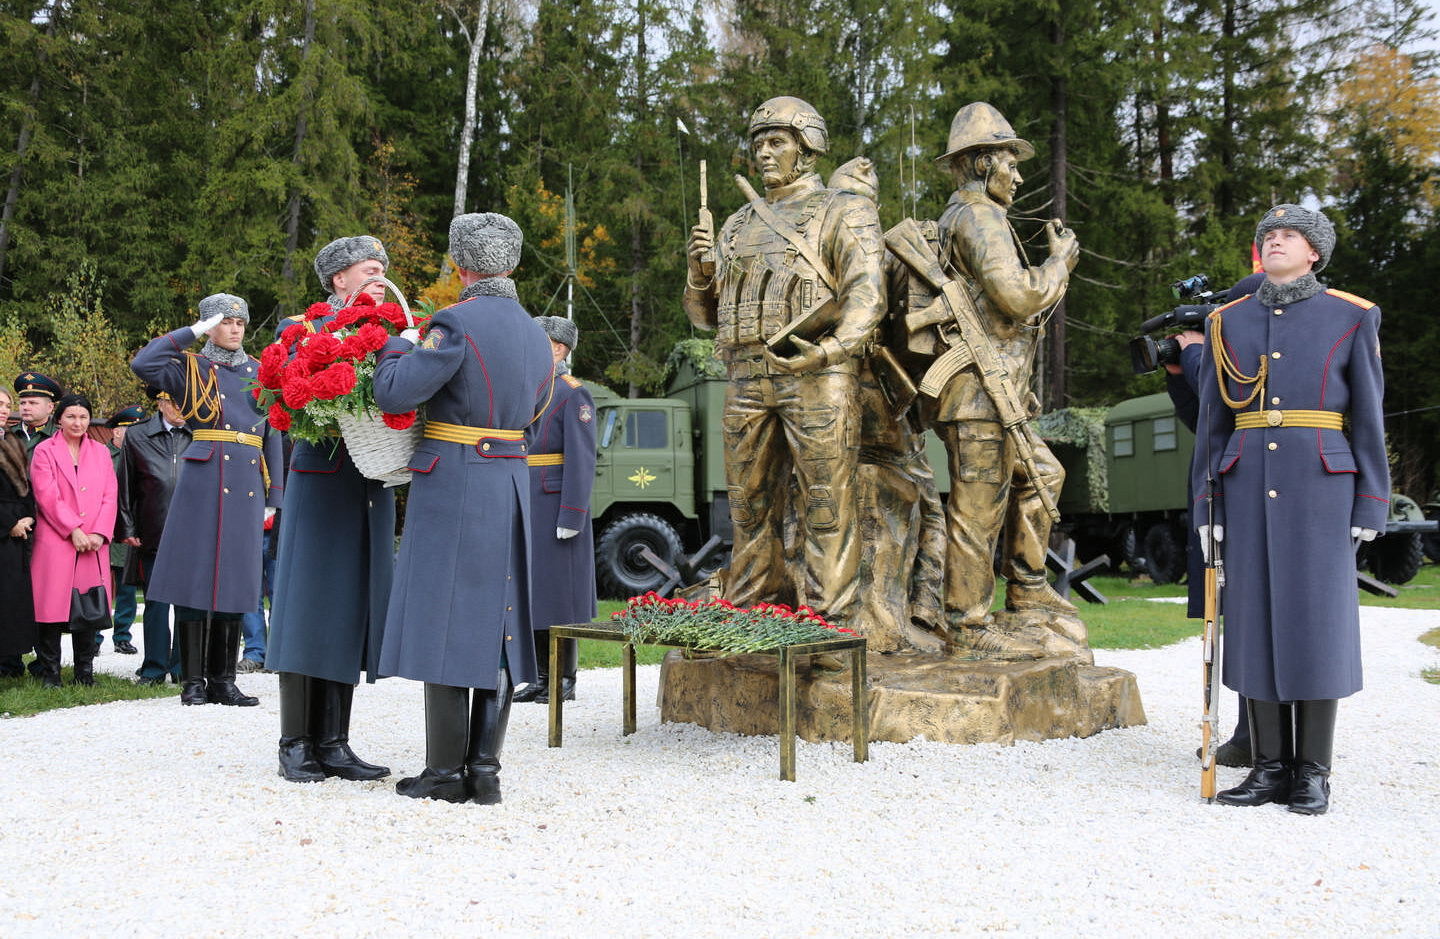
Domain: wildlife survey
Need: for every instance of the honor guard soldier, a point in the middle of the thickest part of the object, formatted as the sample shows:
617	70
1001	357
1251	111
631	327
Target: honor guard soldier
802	253
459	615
1291	421
562	540
208	564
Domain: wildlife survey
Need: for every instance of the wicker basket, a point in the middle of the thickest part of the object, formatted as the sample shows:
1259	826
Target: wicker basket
381	452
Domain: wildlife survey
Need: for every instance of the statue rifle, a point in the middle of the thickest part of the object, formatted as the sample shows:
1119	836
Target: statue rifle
1210	639
955	314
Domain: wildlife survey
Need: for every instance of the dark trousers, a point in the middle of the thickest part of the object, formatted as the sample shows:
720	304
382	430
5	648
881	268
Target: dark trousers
162	651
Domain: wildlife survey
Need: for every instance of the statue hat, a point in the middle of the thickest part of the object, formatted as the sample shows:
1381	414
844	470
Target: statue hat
981	125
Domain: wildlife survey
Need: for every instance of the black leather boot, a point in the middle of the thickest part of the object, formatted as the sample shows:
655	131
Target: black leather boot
1272	737
332	741
191	638
84	643
533	691
489	716
47	654
1314	755
220	665
447	720
569	668
297	746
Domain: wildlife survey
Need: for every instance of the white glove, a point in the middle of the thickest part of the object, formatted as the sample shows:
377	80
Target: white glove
563	533
412	336
1204	532
204	326
269	512
1362	534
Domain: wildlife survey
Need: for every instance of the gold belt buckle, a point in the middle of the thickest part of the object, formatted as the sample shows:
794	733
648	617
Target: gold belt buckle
1274	418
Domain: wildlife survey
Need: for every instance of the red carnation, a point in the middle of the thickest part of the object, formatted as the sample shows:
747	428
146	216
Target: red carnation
399	421
272	364
317	310
372	337
297	391
393	314
279	417
363	299
344	318
292	334
321	349
339	379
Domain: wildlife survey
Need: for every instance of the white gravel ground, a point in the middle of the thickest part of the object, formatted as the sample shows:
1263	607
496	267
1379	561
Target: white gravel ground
149	818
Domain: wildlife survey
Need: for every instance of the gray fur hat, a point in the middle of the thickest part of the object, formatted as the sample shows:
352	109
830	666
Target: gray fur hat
560	329
343	253
224	304
485	243
1317	229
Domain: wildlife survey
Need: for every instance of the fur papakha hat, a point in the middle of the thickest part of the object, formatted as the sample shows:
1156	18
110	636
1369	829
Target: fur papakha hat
485	243
224	304
343	253
560	329
1314	226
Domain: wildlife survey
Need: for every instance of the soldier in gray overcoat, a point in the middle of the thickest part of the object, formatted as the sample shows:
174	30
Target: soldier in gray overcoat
459	613
1283	371
334	567
562	539
208	563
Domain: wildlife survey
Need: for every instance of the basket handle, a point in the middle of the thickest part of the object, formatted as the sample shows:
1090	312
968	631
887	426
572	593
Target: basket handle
409	318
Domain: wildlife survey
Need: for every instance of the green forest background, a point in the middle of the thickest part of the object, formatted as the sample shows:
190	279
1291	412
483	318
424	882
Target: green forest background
155	152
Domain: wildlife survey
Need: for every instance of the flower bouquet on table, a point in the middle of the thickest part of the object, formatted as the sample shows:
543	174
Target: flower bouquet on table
319	382
717	624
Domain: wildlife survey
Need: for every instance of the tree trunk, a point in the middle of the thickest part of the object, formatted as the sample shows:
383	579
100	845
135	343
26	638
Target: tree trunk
472	71
22	146
1059	166
292	222
637	244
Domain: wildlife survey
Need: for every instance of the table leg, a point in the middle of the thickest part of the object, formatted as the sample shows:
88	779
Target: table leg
860	704
627	657
557	719
787	715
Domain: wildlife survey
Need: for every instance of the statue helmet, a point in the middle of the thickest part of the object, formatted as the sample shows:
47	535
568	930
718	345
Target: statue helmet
795	115
981	125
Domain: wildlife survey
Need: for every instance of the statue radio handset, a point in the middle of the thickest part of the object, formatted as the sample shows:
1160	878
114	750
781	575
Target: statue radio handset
707	222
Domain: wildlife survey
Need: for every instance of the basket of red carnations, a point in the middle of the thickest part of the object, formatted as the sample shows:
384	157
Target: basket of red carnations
318	382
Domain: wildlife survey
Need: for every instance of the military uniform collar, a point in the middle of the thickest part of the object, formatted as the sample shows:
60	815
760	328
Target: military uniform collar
805	185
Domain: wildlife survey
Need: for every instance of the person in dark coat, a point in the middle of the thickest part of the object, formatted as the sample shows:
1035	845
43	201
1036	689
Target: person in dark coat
123	616
17	521
335	564
1297	494
459	613
562	539
149	471
38	394
208	565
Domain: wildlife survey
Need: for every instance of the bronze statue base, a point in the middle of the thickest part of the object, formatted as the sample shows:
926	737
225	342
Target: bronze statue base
935	696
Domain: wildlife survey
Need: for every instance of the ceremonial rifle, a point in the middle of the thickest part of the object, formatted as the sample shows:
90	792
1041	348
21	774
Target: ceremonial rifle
955	315
1210	641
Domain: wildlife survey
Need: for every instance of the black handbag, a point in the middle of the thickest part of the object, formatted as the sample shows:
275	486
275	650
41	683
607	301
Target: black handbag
89	610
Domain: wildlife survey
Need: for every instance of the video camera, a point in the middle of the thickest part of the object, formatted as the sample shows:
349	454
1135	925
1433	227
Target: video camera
1146	354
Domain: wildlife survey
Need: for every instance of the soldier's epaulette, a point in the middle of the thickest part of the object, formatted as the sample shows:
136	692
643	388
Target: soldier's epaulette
295	319
573	382
1361	302
1228	305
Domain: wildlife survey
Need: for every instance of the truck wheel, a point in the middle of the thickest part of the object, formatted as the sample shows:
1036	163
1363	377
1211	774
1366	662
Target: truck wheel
1129	550
622	571
1396	558
1164	554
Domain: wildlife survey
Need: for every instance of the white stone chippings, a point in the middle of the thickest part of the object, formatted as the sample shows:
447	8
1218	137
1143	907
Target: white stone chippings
177	821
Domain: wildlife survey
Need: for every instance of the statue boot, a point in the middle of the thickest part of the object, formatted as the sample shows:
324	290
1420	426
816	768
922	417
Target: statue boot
489	716
990	639
1272	738
297	746
332	741
1314	755
447	726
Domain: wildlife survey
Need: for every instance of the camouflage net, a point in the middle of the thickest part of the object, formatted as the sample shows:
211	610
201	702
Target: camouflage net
699	354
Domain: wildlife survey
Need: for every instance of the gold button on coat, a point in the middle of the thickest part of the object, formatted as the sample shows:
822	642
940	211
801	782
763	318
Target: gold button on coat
1274	355
1274	445
1272	493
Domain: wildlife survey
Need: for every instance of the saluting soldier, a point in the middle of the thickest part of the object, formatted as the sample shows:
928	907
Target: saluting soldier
459	615
335	564
208	563
1283	373
562	540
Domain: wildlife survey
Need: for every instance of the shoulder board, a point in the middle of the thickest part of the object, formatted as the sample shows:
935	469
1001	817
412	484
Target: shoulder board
572	381
295	319
1361	302
1229	305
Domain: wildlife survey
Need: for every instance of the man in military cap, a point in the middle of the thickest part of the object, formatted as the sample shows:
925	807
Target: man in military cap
37	394
989	485
803	262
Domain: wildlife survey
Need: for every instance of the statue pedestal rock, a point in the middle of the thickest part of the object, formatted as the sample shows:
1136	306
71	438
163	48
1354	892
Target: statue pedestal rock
936	696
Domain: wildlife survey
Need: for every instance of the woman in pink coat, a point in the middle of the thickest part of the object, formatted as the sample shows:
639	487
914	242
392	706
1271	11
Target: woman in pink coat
73	479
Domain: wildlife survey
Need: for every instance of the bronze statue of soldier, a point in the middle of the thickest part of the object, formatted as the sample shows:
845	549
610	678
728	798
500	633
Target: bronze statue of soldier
793	286
991	486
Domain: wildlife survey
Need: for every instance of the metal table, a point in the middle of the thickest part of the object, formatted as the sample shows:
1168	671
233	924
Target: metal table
860	729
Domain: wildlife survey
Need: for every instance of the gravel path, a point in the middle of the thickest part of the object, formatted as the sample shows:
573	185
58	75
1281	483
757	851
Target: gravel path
138	818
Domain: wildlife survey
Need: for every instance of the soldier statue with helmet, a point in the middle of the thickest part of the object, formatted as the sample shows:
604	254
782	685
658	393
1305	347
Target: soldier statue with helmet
803	255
